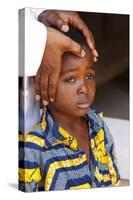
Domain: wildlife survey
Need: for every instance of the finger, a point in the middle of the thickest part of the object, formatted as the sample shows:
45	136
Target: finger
57	22
89	37
91	42
44	88
95	53
92	38
53	81
79	24
87	34
75	48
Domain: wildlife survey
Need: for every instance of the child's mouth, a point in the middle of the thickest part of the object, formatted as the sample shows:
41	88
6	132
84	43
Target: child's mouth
83	105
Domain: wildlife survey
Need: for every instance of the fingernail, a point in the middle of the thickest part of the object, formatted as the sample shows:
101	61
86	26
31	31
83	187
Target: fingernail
65	28
83	53
45	102
95	59
52	99
37	97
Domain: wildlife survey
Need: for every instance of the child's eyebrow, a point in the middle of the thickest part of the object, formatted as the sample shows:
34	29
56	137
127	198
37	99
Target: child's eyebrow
71	69
76	69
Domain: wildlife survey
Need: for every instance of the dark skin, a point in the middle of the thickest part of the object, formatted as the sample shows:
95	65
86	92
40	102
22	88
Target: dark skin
48	73
75	93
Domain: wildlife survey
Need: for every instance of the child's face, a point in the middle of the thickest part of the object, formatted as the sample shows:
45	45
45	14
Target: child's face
76	86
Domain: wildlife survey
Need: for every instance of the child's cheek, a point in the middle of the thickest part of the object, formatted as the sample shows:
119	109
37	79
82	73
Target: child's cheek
92	91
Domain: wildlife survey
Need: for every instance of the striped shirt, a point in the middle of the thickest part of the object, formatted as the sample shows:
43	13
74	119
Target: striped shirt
49	157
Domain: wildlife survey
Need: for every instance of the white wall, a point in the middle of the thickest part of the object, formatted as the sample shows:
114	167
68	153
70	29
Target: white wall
120	131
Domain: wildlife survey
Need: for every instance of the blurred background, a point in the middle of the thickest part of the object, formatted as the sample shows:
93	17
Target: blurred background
111	34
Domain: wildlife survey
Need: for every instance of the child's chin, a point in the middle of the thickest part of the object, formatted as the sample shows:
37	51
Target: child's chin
81	113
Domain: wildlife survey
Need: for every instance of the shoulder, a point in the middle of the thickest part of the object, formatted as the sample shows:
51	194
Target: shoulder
34	139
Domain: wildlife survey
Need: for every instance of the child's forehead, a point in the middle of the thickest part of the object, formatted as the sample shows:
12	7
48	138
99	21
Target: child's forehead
73	63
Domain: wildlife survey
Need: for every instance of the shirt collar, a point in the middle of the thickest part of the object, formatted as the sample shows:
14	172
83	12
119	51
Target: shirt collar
54	134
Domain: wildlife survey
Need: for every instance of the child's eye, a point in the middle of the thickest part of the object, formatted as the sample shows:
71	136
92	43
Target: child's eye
90	77
70	80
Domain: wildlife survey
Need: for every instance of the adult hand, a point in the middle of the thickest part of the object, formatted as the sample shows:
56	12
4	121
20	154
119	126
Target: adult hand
49	70
62	20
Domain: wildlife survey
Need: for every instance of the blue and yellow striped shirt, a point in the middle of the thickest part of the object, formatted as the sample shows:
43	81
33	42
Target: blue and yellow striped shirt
49	158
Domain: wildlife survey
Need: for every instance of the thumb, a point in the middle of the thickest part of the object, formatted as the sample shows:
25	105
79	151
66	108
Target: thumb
76	49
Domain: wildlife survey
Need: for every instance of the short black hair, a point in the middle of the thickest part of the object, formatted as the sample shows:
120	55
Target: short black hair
77	36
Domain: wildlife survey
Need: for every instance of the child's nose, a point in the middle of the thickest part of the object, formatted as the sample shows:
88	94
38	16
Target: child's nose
83	90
